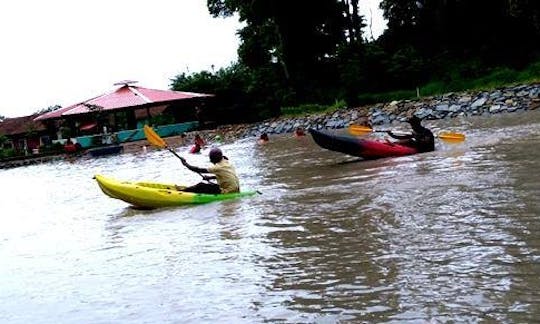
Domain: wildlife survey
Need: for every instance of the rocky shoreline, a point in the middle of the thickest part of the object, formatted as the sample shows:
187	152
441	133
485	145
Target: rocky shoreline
450	105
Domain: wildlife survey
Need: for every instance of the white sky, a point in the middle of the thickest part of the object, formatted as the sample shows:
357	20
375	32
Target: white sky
65	51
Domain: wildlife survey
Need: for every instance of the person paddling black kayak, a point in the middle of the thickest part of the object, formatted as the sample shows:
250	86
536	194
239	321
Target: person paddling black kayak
421	138
223	171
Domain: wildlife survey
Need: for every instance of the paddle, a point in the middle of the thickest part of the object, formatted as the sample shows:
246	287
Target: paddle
156	140
362	130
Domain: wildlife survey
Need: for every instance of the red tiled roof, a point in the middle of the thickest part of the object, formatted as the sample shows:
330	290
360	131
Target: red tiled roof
53	114
124	97
20	125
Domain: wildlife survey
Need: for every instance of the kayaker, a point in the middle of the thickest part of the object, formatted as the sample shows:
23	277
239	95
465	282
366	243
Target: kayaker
421	138
299	132
223	171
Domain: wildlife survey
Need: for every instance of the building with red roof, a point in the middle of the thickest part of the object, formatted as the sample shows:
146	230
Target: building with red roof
126	108
122	112
127	98
22	134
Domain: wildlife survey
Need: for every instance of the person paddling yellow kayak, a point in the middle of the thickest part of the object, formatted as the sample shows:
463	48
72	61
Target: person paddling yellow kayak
223	171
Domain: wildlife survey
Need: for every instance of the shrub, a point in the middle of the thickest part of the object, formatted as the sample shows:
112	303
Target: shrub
7	153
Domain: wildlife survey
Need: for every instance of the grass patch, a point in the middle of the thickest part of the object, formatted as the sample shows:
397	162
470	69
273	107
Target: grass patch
308	109
497	78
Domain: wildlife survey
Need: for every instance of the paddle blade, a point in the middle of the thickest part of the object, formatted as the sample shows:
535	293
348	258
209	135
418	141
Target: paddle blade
153	137
359	130
449	136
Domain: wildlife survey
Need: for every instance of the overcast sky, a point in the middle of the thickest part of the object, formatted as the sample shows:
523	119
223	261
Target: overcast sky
65	51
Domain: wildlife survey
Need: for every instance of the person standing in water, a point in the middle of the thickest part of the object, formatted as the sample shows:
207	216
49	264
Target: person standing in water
198	144
299	132
199	141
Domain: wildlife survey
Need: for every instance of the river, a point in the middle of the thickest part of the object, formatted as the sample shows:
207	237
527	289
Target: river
451	235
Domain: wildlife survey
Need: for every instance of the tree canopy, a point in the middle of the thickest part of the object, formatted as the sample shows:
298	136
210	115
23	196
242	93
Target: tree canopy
302	51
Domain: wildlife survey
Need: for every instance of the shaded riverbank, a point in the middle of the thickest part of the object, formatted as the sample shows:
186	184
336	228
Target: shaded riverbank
451	105
465	104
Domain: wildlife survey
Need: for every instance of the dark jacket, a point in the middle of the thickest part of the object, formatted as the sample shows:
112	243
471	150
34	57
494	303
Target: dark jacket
421	138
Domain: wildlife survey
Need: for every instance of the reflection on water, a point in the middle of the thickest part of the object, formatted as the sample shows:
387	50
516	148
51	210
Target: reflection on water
450	235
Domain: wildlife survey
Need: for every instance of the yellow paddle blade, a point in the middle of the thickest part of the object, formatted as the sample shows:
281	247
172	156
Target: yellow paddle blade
448	136
153	137
359	130
455	137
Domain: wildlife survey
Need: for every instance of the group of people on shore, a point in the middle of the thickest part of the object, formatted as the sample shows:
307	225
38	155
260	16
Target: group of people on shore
223	171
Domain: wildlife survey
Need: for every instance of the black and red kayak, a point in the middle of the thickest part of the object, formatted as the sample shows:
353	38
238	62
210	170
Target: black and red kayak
367	149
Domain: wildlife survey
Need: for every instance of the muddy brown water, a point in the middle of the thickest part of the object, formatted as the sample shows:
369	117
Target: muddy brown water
451	235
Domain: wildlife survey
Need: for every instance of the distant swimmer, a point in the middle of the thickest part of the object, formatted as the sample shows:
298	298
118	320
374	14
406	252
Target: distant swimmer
263	139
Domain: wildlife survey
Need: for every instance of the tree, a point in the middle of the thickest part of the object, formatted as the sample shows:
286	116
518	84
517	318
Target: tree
297	39
237	98
354	22
465	28
3	140
313	51
46	110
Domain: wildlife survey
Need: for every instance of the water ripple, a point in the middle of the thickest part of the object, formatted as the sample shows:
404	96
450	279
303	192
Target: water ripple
446	236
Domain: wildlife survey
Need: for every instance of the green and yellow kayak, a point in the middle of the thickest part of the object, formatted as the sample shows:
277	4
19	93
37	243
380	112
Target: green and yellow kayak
153	195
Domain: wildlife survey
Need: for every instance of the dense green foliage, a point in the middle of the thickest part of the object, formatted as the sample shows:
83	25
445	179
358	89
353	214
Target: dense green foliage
306	109
493	78
3	140
7	153
300	52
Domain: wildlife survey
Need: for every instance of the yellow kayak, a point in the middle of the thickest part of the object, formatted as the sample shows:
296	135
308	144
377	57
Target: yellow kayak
153	195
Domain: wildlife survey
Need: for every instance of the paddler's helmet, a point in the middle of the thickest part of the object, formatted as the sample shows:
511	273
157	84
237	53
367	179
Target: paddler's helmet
215	155
414	120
